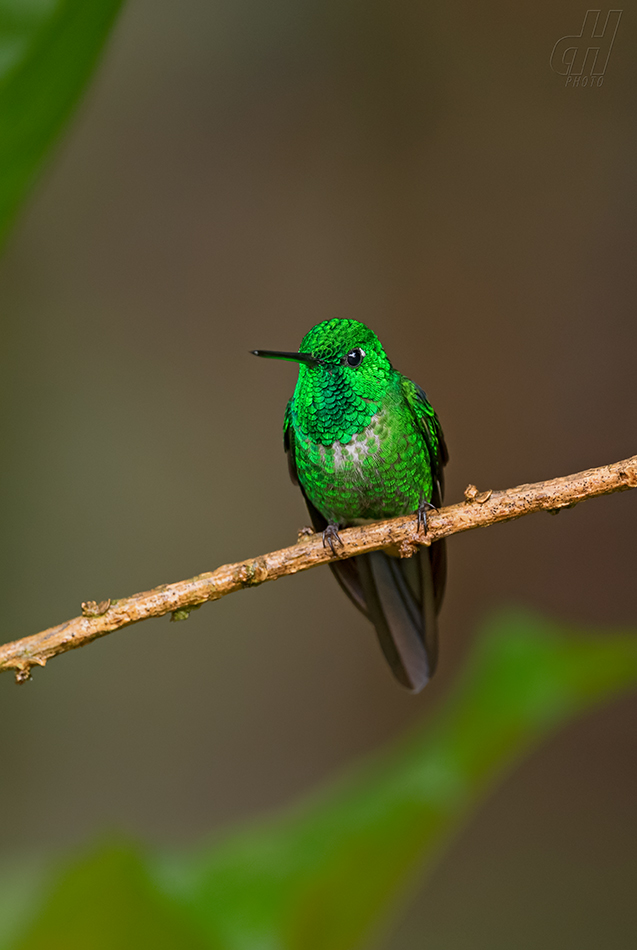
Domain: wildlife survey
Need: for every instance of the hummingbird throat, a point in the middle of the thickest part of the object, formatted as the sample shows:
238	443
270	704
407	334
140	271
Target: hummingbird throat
328	409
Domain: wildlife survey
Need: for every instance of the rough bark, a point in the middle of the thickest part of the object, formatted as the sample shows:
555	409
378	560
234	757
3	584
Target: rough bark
479	510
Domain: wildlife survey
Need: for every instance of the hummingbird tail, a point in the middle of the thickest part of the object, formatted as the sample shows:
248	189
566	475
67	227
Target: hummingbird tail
401	600
401	597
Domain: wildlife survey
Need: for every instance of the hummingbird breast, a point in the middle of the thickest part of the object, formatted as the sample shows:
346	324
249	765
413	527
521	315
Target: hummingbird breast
380	472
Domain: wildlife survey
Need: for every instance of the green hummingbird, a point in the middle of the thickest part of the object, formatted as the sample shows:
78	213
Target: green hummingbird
363	443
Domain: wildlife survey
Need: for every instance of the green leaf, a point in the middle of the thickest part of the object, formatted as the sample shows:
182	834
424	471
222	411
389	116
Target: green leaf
323	875
107	900
48	49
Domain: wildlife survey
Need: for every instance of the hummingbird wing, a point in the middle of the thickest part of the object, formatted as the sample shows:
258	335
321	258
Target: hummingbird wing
429	426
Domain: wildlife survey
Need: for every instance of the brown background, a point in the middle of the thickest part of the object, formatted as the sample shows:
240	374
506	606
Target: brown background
239	172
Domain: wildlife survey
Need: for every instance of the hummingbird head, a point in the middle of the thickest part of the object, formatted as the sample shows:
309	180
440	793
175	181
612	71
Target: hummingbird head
343	375
335	345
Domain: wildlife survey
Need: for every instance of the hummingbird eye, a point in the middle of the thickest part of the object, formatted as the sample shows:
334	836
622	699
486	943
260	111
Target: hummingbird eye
355	357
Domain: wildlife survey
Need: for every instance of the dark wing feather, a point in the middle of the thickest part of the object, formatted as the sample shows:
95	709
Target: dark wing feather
288	444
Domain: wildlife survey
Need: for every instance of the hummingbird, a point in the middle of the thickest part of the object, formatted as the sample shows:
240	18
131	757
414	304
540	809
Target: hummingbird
363	443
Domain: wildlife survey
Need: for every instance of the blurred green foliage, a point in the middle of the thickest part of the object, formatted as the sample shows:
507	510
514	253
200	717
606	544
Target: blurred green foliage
323	875
48	49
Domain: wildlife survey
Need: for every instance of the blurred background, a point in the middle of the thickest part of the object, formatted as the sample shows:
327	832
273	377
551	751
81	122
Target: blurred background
238	172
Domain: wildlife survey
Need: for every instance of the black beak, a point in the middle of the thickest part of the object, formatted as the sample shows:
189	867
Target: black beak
306	358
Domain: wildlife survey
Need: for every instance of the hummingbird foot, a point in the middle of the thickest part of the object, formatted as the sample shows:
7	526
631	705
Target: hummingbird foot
332	537
421	516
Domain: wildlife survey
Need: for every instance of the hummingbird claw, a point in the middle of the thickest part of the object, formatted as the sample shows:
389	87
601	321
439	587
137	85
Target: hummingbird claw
421	516
330	537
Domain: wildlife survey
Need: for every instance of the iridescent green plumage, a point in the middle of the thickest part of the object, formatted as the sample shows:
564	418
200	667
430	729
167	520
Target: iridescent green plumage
364	443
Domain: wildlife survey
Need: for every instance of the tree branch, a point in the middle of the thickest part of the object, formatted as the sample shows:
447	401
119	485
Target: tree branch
399	534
